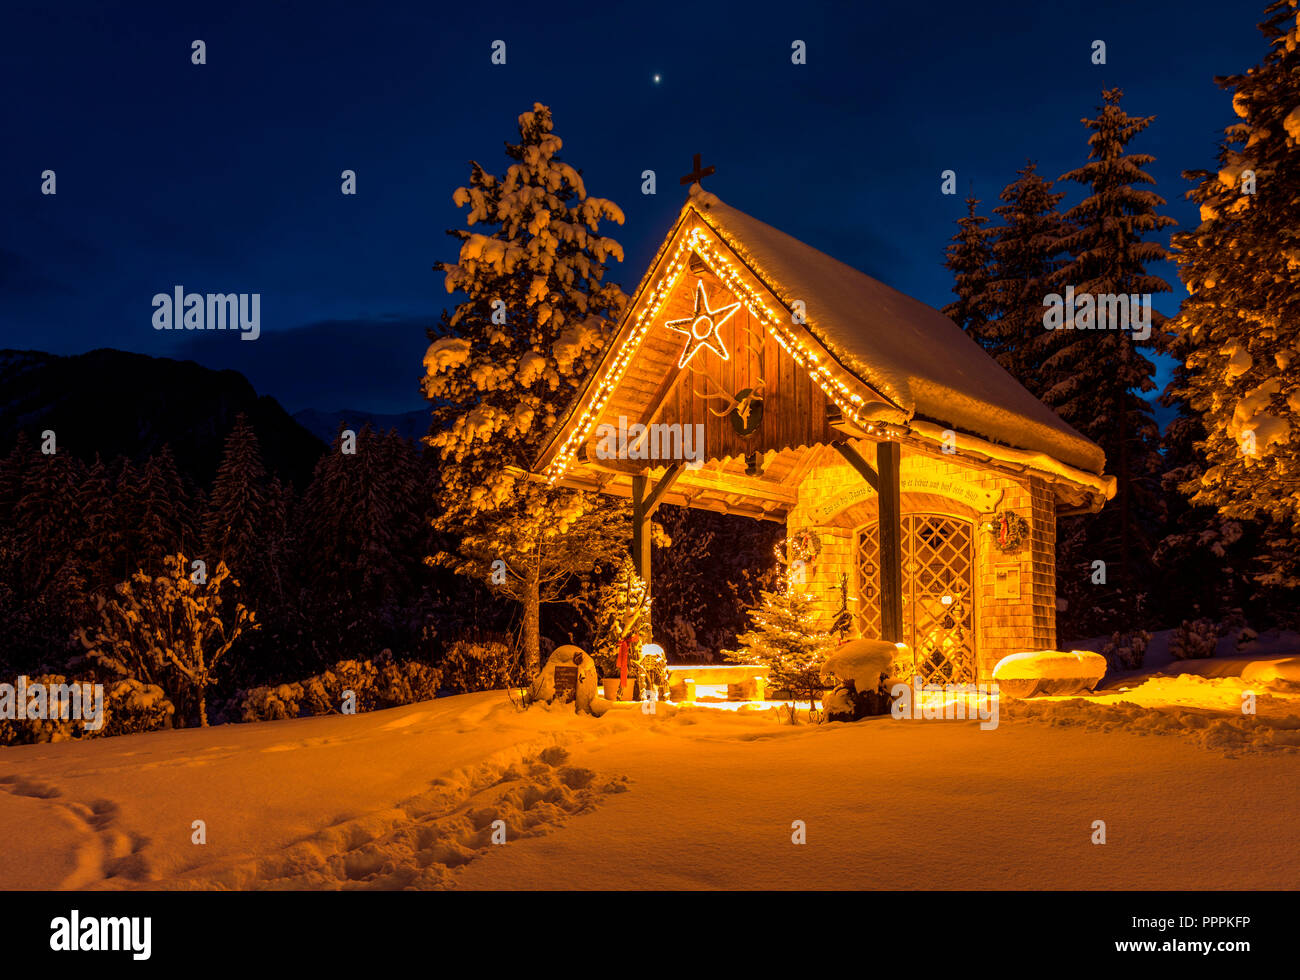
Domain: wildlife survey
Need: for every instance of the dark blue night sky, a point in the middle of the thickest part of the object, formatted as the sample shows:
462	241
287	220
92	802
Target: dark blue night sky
225	177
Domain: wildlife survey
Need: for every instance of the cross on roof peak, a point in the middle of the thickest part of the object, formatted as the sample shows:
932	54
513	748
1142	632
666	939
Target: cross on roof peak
698	174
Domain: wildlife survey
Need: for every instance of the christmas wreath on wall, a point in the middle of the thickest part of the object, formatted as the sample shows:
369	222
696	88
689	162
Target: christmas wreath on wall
800	549
1009	530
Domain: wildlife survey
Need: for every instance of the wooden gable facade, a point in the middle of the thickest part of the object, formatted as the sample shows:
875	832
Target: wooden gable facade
643	380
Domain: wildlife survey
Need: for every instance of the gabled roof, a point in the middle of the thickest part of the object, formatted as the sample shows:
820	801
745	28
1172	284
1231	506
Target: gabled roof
877	354
910	352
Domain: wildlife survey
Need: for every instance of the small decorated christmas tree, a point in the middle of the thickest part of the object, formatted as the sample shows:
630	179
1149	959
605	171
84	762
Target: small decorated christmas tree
787	637
622	622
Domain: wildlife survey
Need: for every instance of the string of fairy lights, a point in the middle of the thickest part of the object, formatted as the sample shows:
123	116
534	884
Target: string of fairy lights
698	241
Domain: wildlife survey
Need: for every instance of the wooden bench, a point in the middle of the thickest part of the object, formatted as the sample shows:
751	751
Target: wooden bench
744	682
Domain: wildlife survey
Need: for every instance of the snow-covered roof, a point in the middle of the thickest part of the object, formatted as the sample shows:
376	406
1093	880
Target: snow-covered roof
903	348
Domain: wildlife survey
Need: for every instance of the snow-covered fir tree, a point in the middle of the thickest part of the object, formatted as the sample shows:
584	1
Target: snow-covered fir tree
360	534
233	525
1095	374
49	527
1027	252
103	543
786	634
1197	535
165	522
968	256
1239	329
44	564
119	549
503	367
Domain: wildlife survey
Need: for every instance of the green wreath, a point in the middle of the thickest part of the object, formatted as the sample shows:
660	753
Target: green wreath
801	548
1009	530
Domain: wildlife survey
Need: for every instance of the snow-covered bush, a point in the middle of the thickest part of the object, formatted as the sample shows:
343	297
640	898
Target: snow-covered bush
865	662
1126	651
1234	625
168	630
129	707
374	684
1194	640
861	667
481	664
271	703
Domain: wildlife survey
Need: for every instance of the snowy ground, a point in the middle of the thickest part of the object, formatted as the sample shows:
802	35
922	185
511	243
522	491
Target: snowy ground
1193	794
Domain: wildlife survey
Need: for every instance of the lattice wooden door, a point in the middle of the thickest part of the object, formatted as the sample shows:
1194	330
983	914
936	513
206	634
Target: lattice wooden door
938	594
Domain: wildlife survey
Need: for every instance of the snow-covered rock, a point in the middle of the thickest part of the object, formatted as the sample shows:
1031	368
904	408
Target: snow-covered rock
1024	675
861	661
567	656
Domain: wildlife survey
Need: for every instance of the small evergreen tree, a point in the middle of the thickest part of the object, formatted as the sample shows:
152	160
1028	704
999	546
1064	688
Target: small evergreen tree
622	614
49	528
787	636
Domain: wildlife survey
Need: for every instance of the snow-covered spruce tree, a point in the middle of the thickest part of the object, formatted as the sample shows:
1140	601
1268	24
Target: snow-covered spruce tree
165	522
786	635
48	525
233	524
103	543
1027	252
968	257
119	549
43	559
361	524
168	630
1094	376
1239	330
504	365
1205	560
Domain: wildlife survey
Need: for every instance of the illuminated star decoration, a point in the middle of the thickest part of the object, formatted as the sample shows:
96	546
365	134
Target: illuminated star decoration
703	327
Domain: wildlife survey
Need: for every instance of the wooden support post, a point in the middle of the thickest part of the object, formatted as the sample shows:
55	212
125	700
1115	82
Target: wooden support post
641	529
855	459
645	501
884	480
888	457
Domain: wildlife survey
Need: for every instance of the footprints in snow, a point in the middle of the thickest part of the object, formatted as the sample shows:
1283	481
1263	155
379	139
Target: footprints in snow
105	852
420	843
